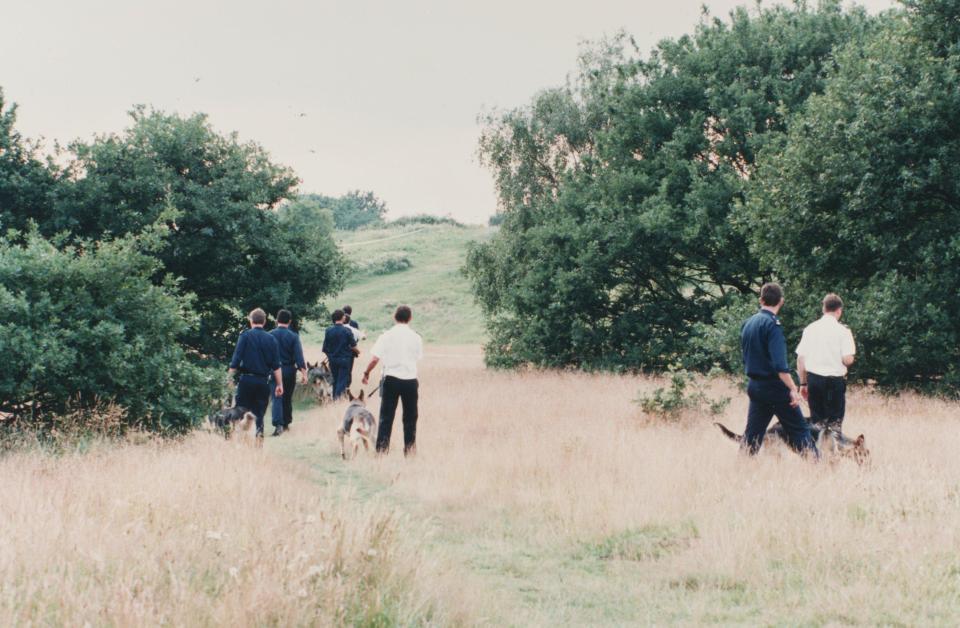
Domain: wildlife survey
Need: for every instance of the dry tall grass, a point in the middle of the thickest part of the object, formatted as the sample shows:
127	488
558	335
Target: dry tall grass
202	532
578	510
535	499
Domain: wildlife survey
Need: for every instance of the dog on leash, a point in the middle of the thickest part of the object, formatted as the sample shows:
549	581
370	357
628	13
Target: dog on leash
321	379
359	426
236	422
829	440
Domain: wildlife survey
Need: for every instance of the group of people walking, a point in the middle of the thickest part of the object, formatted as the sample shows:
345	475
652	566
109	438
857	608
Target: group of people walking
268	363
825	351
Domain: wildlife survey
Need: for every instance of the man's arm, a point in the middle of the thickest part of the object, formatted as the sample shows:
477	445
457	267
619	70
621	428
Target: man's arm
373	364
777	347
235	360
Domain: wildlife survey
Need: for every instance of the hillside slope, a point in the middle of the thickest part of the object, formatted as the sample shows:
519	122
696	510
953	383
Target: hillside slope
418	265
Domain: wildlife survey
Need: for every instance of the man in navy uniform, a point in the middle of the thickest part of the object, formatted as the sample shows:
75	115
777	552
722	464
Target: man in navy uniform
771	388
257	357
339	345
355	328
291	361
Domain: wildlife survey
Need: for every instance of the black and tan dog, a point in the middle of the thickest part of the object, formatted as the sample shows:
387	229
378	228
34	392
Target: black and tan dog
236	422
359	424
829	441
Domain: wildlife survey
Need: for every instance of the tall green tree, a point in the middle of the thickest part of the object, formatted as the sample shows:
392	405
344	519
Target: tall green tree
863	197
357	209
225	239
27	182
617	189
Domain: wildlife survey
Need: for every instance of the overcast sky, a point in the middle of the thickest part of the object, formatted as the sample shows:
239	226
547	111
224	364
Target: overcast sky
390	89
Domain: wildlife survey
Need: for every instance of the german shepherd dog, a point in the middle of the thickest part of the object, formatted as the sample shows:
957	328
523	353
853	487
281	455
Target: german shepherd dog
829	440
237	422
359	423
321	379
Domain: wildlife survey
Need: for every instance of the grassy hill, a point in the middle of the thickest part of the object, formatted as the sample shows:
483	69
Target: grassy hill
414	264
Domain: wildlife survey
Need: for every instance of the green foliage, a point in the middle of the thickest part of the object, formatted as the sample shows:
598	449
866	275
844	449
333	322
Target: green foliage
425	219
385	264
617	190
85	327
868	180
687	394
231	251
26	183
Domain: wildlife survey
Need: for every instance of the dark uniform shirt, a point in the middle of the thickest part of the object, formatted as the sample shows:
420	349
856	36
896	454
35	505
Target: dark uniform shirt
764	347
291	351
256	353
338	342
353	324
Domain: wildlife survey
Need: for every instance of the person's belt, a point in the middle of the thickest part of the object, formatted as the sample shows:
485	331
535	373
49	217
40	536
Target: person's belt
252	374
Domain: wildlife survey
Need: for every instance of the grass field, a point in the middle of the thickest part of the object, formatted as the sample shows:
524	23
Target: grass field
443	307
535	499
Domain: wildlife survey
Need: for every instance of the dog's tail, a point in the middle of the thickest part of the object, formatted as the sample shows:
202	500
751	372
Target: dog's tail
731	435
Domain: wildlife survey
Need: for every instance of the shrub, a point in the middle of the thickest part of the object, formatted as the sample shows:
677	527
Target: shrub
85	327
425	219
384	265
686	394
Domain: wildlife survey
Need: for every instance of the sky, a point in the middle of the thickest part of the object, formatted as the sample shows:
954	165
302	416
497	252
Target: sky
352	94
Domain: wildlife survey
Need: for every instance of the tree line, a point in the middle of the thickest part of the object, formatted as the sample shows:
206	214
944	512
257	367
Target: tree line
644	202
129	262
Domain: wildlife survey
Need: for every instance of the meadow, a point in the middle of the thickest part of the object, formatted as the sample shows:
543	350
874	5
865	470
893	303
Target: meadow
419	265
536	498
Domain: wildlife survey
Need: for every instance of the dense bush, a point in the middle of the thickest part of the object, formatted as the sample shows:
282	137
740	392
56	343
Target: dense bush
384	264
425	219
85	327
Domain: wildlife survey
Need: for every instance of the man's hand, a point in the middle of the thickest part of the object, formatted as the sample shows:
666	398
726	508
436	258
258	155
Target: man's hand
795	399
805	393
303	376
366	378
279	391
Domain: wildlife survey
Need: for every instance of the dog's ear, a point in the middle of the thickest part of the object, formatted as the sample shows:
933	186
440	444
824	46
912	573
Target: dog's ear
859	442
362	393
349	395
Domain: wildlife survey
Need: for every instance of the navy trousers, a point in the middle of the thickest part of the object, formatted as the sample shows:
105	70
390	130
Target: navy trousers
340	368
282	407
769	398
253	393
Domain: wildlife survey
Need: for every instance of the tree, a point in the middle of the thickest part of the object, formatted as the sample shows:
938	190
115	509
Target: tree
617	189
868	180
218	197
26	183
357	209
84	326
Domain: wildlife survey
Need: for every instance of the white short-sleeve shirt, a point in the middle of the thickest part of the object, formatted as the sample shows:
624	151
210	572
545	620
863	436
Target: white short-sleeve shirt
398	349
823	345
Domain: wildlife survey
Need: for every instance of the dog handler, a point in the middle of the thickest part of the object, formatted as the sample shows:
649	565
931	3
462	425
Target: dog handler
825	351
399	348
771	388
339	345
257	357
291	361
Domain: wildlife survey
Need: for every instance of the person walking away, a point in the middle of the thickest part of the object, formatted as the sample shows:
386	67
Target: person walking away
339	345
257	358
399	349
771	388
825	351
355	328
291	361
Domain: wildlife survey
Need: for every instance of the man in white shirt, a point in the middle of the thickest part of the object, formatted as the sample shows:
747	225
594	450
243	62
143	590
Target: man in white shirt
823	355
398	349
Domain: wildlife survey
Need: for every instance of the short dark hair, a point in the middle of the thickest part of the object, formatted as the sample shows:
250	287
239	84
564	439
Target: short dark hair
258	317
284	317
337	316
403	314
832	303
347	310
771	294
